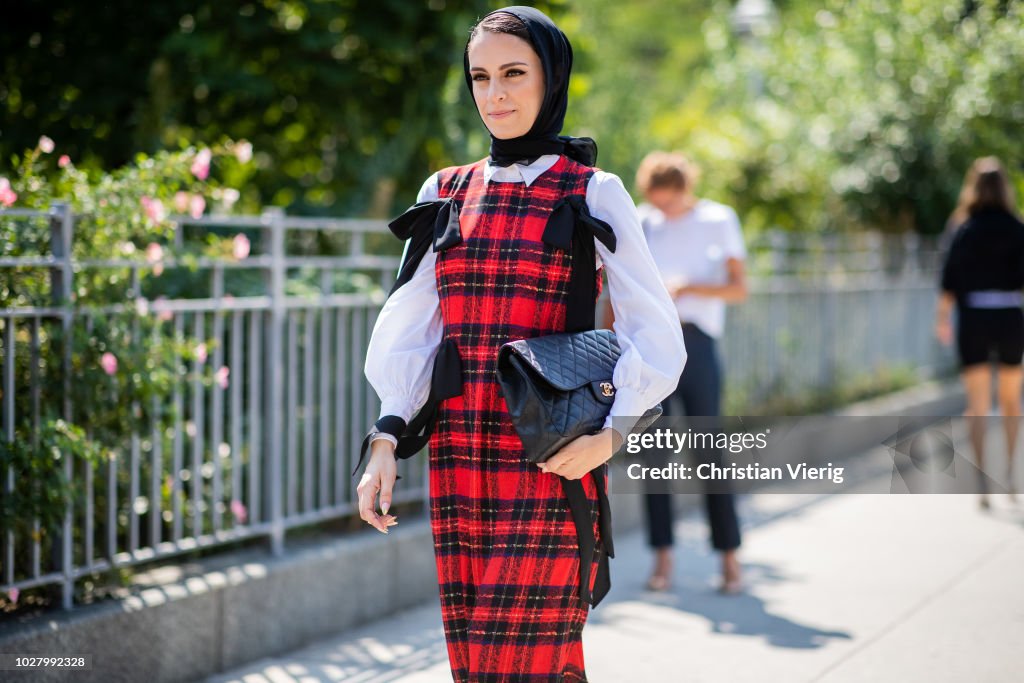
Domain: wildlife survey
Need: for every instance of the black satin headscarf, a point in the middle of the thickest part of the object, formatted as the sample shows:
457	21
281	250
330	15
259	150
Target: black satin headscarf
555	54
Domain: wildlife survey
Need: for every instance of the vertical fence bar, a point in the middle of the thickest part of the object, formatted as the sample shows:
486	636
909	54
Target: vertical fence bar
199	425
307	412
324	408
156	463
61	225
355	394
134	484
341	438
133	494
178	447
34	384
275	221
112	466
255	405
217	409
235	386
8	416
90	507
292	429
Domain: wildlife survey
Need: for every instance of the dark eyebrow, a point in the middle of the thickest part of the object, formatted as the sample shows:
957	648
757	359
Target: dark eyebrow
503	66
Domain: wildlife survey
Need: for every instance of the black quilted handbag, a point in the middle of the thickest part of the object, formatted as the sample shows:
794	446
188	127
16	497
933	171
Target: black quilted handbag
559	387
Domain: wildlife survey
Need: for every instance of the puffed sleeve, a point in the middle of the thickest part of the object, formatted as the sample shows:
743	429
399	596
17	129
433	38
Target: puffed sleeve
406	336
646	322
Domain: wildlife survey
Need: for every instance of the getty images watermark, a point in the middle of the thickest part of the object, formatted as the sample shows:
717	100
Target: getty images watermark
819	454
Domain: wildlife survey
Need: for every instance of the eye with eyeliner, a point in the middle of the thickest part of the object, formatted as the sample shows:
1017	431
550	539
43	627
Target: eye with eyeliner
510	72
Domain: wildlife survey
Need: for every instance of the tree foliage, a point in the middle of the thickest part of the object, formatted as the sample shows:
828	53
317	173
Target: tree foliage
340	98
850	113
847	115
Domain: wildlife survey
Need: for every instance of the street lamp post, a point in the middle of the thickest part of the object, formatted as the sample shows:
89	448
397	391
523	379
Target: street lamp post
752	19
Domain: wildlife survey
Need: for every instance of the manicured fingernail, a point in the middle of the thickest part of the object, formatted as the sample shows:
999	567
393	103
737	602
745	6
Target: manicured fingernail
384	507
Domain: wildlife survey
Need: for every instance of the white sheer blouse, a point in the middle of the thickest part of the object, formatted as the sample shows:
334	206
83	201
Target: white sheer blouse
408	331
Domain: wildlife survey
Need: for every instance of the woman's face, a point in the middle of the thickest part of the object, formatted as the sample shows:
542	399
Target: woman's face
508	83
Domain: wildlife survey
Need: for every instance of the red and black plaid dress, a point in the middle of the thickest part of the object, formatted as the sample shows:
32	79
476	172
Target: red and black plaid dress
506	547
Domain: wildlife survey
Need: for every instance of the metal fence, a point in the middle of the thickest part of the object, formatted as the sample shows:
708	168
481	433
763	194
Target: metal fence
795	339
274	448
270	452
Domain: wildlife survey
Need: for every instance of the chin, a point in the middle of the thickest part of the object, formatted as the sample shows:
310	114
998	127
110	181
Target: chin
505	133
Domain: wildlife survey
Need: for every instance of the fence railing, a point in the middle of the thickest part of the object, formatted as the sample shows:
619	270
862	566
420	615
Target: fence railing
272	448
268	450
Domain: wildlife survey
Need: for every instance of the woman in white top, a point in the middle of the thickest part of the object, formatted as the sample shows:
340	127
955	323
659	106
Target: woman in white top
482	267
699	251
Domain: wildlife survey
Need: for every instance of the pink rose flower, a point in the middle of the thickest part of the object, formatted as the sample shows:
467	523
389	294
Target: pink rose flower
221	376
181	201
201	352
240	246
64	160
7	195
196	206
239	511
108	362
243	151
13	595
162	313
154	209
45	145
154	252
201	164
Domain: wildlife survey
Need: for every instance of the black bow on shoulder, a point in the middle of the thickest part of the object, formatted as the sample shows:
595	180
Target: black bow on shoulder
569	213
427	224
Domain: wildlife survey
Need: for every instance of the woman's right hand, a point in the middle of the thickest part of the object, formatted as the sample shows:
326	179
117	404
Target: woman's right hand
378	477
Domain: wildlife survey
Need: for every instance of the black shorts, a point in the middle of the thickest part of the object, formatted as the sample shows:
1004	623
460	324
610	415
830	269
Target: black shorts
986	332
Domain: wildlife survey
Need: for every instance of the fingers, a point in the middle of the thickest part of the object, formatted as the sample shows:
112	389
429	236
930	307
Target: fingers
367	490
552	464
387	484
378	480
563	465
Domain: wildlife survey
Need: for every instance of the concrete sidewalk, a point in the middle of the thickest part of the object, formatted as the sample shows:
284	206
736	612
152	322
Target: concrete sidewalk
852	587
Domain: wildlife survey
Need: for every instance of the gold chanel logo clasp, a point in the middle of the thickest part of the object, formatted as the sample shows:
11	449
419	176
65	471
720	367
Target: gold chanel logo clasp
607	389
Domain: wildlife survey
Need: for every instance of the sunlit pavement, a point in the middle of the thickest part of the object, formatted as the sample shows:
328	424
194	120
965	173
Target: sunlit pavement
852	587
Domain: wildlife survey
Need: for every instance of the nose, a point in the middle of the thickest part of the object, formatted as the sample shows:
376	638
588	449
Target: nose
495	90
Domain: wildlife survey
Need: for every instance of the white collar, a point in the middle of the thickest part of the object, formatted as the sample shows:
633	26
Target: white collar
516	173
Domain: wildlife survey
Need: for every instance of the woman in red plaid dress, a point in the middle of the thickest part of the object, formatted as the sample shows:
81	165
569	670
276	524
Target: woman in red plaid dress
481	268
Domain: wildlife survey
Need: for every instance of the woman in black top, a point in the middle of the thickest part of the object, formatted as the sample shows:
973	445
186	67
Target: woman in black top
983	276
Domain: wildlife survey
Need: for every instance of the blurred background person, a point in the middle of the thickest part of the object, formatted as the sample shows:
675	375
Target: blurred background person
982	277
698	248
